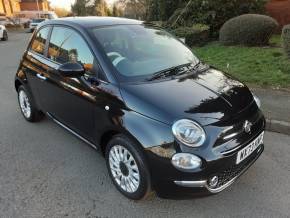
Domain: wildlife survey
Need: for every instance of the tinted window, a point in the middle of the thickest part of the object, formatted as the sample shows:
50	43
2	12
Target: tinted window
66	45
37	20
38	44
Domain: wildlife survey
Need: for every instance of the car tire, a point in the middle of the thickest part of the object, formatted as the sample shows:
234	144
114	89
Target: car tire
128	168
5	36
27	106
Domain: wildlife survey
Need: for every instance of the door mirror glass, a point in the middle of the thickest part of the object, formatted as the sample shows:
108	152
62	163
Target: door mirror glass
71	70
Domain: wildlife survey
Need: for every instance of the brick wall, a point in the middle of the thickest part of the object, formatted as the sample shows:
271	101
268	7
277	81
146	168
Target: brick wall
32	6
280	10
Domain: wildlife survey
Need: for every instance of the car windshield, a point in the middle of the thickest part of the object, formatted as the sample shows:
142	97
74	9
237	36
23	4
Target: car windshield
140	51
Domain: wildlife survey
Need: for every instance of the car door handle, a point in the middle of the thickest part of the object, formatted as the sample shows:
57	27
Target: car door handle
41	77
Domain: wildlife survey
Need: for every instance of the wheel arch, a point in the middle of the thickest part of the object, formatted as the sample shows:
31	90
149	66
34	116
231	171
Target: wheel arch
106	137
17	84
144	131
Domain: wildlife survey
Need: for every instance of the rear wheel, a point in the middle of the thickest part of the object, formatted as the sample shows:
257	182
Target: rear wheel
5	36
127	168
27	105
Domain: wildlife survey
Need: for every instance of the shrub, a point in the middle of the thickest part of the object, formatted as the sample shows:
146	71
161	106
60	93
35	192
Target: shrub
158	23
214	13
198	34
248	29
286	39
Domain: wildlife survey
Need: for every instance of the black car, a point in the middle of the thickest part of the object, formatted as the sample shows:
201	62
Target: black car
165	121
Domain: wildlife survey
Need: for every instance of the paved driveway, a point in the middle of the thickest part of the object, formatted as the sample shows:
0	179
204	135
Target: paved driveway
47	172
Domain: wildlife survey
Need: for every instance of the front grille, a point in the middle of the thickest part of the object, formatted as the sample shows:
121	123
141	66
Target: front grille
234	135
234	171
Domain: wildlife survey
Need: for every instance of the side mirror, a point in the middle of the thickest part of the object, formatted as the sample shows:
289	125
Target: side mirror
71	70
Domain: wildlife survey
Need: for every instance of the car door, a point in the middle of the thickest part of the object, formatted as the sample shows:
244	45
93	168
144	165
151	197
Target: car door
33	63
70	101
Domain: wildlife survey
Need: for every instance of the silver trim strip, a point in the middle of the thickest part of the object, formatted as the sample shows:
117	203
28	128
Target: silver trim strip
71	131
231	136
191	184
223	187
203	184
232	150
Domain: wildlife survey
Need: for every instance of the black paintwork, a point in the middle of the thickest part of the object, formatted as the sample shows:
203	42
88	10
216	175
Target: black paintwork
144	111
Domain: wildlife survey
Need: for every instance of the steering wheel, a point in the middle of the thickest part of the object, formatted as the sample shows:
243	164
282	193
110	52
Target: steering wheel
117	59
110	54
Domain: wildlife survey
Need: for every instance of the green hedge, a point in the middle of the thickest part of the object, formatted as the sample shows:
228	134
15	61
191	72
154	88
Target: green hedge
248	29
214	13
198	34
286	39
158	23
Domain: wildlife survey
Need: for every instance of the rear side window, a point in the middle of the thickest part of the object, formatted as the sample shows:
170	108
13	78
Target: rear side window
38	44
66	45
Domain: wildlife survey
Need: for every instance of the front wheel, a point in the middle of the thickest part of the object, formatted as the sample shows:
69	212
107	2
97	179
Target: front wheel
127	168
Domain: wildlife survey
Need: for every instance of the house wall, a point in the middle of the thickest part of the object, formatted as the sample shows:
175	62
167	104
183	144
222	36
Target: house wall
32	6
9	7
1	7
280	10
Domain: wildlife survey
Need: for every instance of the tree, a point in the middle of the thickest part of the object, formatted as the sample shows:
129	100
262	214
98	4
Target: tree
117	11
167	8
137	9
91	8
213	13
153	11
80	7
101	8
61	12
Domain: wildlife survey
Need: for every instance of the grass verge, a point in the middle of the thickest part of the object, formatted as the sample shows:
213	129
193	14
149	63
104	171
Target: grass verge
257	66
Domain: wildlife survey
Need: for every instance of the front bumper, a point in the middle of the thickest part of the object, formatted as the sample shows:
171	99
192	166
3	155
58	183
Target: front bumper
226	178
168	181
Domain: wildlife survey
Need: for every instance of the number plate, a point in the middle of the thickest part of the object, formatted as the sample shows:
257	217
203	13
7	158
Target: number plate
249	149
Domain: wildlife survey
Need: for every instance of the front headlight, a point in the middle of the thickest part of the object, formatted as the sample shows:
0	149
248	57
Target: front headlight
189	133
257	100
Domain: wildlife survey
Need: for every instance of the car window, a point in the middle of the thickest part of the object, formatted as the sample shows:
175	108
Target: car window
37	20
67	46
38	44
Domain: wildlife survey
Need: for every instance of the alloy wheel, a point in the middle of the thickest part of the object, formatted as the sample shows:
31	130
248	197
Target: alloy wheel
124	169
24	104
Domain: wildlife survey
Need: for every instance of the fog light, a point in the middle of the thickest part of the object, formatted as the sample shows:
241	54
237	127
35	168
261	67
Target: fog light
213	181
186	161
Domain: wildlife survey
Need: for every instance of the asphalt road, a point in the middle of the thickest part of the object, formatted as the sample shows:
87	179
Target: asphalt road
47	172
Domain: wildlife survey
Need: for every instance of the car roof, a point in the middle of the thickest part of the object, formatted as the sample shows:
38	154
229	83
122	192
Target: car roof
90	22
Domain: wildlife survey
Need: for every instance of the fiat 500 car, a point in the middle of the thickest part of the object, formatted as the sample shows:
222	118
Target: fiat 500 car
164	121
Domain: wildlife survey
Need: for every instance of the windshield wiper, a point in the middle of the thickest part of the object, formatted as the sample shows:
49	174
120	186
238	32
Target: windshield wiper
199	67
169	72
